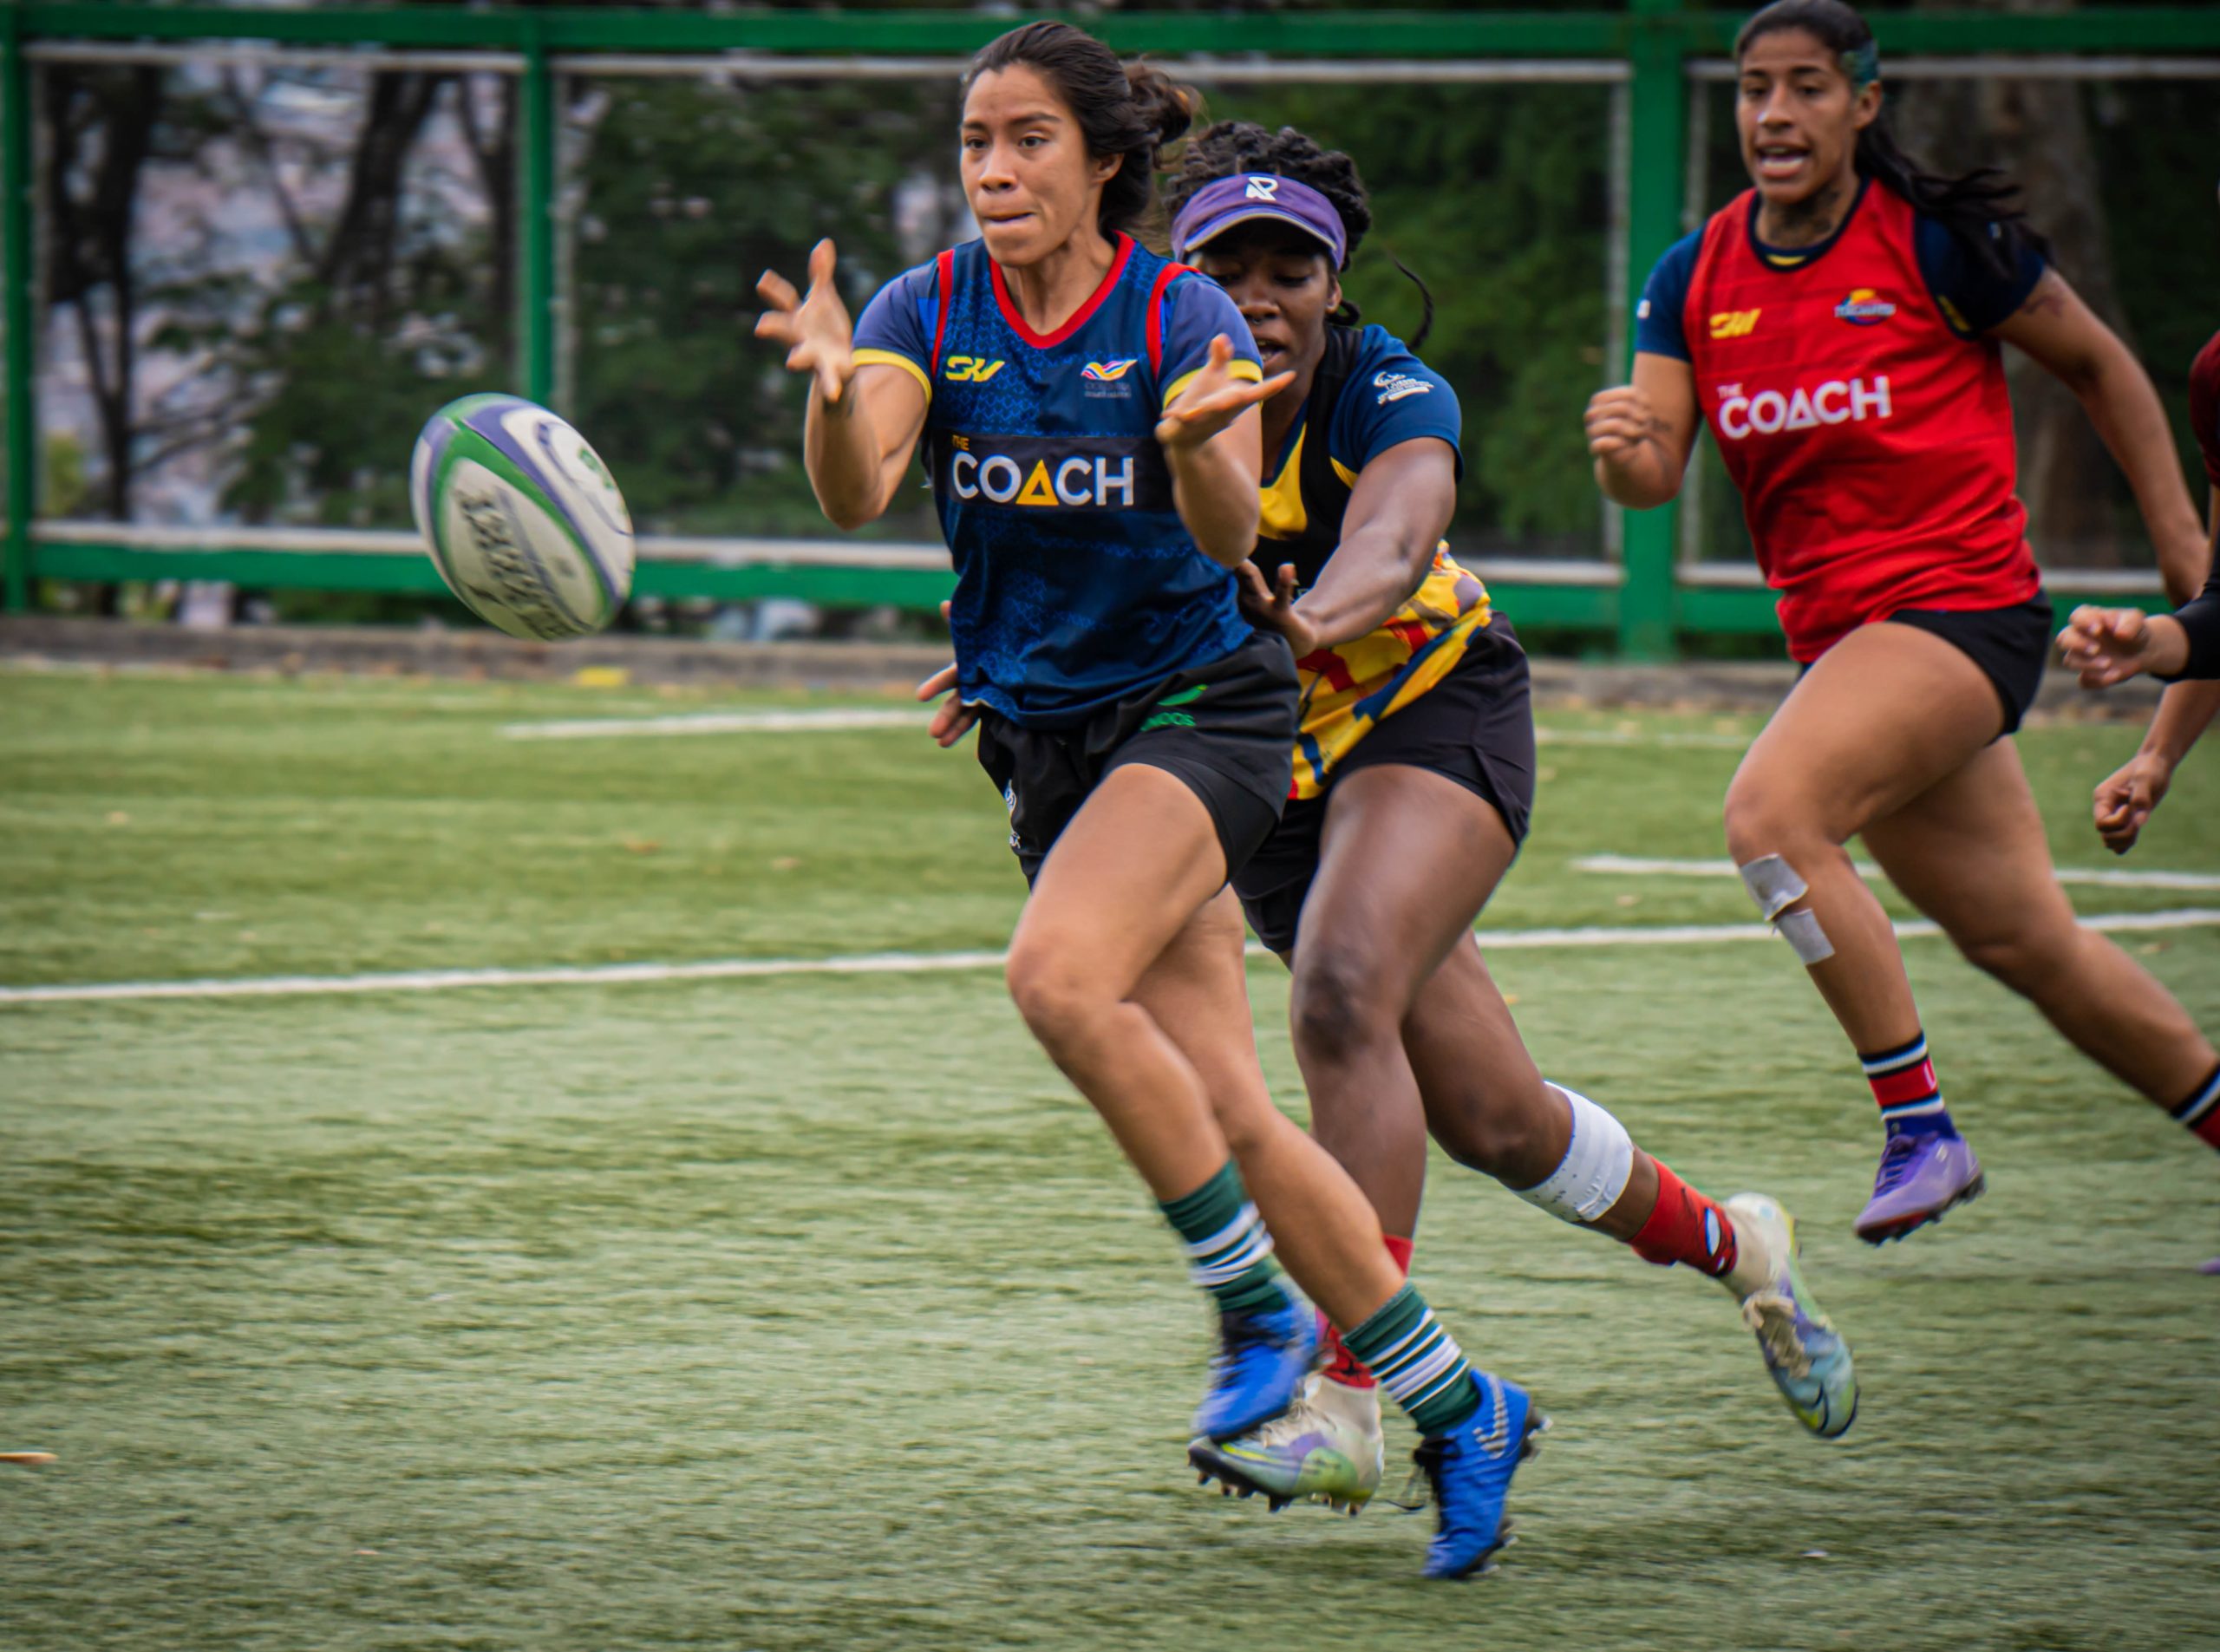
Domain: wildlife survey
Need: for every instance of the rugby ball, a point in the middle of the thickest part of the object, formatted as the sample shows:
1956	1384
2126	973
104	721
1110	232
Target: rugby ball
522	518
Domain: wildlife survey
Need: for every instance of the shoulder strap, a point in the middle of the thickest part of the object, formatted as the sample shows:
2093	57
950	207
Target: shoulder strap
944	284
1317	478
1158	301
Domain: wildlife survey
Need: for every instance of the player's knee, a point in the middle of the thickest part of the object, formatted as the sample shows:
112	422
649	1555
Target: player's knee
1335	1006
1759	820
1056	998
2027	960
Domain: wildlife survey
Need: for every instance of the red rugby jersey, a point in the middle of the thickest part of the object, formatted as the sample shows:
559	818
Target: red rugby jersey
2204	404
1872	444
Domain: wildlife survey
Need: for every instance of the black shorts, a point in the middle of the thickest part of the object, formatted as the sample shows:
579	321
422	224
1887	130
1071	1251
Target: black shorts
1475	727
2011	645
1226	729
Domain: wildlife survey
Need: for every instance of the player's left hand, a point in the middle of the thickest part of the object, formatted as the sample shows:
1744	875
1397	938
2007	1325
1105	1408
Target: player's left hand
1214	399
2110	645
2125	799
1272	607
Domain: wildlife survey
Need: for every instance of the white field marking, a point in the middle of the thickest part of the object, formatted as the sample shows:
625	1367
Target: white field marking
602	974
1623	737
2102	876
720	722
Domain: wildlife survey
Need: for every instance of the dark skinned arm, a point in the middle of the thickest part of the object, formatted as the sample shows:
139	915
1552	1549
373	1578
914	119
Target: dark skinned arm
1397	513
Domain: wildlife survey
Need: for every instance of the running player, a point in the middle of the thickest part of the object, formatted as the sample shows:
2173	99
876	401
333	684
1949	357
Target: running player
1087	415
1837	327
1413	783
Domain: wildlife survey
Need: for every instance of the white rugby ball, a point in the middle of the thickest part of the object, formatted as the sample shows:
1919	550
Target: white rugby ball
523	519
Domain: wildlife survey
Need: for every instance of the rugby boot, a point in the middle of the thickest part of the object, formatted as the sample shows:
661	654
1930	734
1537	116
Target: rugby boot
1326	1445
1920	1176
1263	1355
1809	1361
1469	1471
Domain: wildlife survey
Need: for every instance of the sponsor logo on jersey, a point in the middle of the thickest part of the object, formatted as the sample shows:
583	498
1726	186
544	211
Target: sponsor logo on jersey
1767	412
970	369
1104	372
1076	480
1262	189
1393	387
1864	308
1736	323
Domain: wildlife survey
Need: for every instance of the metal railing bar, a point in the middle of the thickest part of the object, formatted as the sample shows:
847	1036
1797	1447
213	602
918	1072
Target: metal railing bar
2013	66
246	54
773	66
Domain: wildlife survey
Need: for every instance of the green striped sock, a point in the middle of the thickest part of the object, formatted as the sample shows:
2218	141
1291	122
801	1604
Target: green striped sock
1229	1252
1417	1361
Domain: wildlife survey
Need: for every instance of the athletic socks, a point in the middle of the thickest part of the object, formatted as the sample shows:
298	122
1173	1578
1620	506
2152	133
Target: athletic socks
1228	1251
2200	1110
1685	1226
1342	1366
1904	1083
1417	1361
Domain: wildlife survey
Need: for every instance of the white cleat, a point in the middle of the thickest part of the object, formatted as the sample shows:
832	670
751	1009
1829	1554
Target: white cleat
1326	1446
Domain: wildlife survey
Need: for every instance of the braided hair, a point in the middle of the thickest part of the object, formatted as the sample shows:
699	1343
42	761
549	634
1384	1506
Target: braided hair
1229	148
1980	207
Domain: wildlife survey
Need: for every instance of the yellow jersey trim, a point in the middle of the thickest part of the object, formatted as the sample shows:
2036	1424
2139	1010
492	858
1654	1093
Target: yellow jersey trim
891	358
1237	368
1284	516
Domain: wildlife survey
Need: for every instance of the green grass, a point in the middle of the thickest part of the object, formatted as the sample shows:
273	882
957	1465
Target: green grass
817	1312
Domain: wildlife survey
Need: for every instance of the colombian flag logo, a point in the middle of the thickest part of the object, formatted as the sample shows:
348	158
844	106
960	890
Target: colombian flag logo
1107	372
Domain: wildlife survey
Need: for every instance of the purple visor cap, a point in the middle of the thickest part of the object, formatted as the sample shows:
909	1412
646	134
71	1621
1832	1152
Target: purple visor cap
1223	202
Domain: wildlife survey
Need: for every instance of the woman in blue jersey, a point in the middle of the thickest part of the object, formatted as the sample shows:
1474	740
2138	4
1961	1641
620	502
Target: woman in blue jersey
1087	416
1413	783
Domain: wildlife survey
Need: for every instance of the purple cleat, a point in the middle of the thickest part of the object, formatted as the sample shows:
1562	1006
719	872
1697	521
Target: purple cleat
1921	1176
2212	1266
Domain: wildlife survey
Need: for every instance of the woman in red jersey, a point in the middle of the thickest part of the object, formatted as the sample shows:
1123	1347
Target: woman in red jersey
1838	328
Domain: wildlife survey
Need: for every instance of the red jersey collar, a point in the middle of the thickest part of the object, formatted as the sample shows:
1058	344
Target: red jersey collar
1806	256
1080	317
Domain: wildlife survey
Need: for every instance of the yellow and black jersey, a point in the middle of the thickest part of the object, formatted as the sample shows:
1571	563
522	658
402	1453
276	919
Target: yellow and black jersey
1370	393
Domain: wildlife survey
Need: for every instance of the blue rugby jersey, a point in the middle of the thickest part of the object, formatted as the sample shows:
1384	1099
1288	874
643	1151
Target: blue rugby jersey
1077	583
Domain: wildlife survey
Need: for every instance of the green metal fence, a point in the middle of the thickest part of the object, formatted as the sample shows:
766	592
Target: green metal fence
1646	597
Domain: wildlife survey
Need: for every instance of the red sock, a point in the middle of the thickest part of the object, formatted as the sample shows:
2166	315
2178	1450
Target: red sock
1342	1366
1685	1226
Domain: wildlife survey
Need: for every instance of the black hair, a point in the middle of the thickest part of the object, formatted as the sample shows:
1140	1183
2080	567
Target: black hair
1980	207
1234	146
1130	110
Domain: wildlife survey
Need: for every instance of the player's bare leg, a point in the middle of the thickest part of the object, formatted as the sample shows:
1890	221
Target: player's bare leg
1884	715
1130	874
1971	854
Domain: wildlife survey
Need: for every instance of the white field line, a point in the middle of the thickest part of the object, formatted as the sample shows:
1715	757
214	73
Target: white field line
602	975
2101	876
803	719
719	723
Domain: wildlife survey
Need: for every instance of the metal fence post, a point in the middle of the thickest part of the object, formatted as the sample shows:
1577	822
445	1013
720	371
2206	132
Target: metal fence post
1658	92
16	230
535	280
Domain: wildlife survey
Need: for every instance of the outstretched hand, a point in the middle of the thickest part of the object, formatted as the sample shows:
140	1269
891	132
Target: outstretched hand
1272	607
1214	399
814	326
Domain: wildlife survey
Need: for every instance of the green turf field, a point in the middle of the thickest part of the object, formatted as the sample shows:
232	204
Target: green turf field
814	1312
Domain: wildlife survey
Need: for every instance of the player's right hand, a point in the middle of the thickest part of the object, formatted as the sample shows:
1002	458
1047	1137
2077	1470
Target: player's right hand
1619	420
814	326
953	719
2125	800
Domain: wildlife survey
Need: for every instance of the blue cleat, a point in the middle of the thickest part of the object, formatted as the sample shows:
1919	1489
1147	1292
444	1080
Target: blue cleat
1263	1355
1470	1473
1809	1363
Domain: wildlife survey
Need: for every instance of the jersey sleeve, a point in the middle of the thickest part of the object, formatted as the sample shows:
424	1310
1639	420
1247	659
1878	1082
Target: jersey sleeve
896	327
1659	324
1196	311
1391	397
1973	296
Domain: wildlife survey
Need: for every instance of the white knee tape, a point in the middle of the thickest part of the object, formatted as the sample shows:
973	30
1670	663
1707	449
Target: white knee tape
1598	1162
1772	884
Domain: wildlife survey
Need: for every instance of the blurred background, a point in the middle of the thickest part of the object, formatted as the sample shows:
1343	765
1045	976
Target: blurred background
261	243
